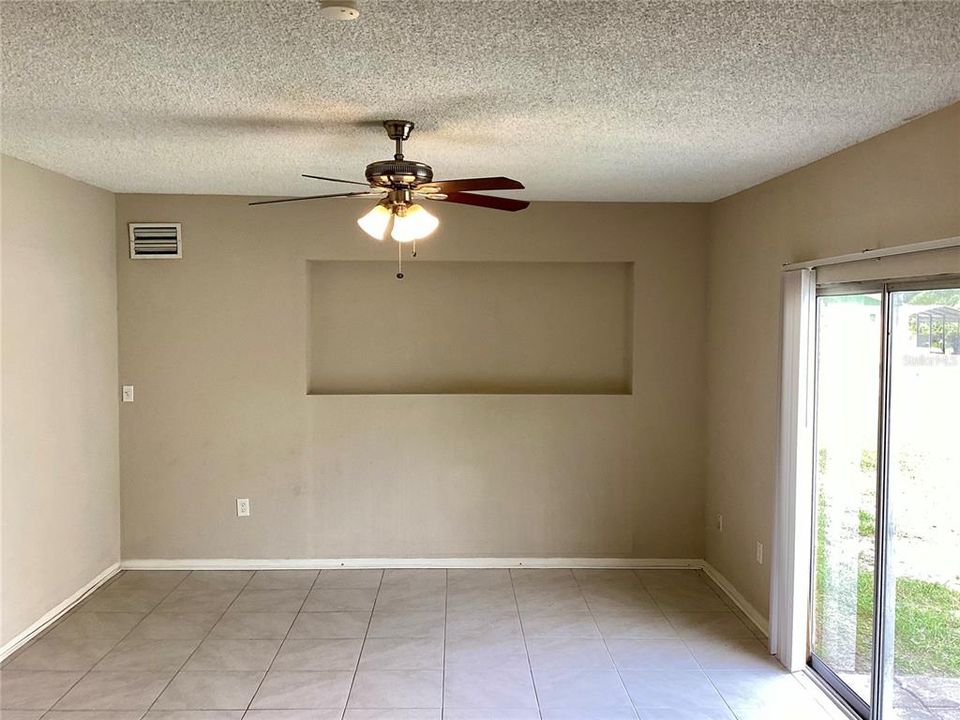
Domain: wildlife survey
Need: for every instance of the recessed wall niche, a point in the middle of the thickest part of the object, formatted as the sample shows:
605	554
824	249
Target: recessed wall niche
470	328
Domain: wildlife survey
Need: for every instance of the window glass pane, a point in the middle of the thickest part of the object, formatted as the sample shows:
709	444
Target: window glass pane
925	501
848	378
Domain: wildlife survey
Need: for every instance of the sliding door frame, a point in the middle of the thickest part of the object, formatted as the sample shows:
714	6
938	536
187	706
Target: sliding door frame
837	685
860	706
884	589
884	584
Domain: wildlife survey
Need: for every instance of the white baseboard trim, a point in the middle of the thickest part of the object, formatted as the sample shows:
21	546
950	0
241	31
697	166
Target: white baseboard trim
447	562
53	615
756	618
753	615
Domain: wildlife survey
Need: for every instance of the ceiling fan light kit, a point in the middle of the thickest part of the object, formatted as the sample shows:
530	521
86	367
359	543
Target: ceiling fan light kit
376	222
399	183
404	223
412	222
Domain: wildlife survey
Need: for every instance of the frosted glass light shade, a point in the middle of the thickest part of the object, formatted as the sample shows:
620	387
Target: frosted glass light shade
414	224
375	222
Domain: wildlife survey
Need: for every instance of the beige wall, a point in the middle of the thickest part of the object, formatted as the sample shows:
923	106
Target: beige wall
60	487
894	189
531	328
217	346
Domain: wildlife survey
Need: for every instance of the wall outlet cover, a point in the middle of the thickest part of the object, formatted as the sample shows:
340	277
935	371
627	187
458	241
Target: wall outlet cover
243	507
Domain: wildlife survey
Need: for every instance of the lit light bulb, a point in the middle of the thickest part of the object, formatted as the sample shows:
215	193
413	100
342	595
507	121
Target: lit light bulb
412	222
375	222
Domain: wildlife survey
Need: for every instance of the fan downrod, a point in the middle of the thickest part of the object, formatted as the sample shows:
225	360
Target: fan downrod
398	131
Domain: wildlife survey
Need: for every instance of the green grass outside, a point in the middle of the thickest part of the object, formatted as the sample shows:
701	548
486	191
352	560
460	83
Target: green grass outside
927	633
927	627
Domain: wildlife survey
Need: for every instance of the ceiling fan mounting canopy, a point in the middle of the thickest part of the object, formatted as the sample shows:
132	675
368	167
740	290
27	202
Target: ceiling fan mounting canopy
398	129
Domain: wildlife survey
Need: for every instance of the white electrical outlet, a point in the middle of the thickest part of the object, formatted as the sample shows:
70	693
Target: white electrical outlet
759	553
719	522
127	393
243	507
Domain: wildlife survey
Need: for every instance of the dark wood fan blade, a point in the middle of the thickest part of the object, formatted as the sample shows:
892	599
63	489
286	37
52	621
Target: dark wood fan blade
349	182
316	197
467	184
487	201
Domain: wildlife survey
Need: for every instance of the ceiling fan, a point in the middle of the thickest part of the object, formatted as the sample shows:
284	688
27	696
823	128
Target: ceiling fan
401	182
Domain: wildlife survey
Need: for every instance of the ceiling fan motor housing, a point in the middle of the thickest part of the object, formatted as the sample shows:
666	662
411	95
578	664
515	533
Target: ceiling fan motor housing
398	173
402	181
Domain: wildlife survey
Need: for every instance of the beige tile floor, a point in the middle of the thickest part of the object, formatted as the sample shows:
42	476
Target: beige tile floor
404	644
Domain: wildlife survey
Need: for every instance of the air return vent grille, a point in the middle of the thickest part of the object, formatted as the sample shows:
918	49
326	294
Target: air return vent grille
155	240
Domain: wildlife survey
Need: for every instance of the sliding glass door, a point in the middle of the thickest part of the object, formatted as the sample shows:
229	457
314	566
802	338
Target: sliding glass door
885	610
924	507
848	385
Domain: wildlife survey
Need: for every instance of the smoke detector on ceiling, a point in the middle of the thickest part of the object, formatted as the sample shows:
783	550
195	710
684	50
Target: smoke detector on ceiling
339	9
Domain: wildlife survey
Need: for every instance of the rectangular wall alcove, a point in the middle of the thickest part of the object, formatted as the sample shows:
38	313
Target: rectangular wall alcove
470	328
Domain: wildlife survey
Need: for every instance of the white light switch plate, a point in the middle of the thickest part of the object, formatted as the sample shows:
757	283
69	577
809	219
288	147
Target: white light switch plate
128	393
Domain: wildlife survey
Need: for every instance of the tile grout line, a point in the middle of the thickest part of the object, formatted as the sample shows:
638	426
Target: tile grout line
688	603
712	684
662	610
526	650
363	644
202	640
114	646
282	641
703	578
732	607
603	638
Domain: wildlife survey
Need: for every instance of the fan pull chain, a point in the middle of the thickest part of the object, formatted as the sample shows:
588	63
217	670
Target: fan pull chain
414	253
399	261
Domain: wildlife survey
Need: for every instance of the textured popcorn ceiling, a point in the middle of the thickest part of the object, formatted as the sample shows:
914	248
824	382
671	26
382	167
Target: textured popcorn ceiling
578	100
